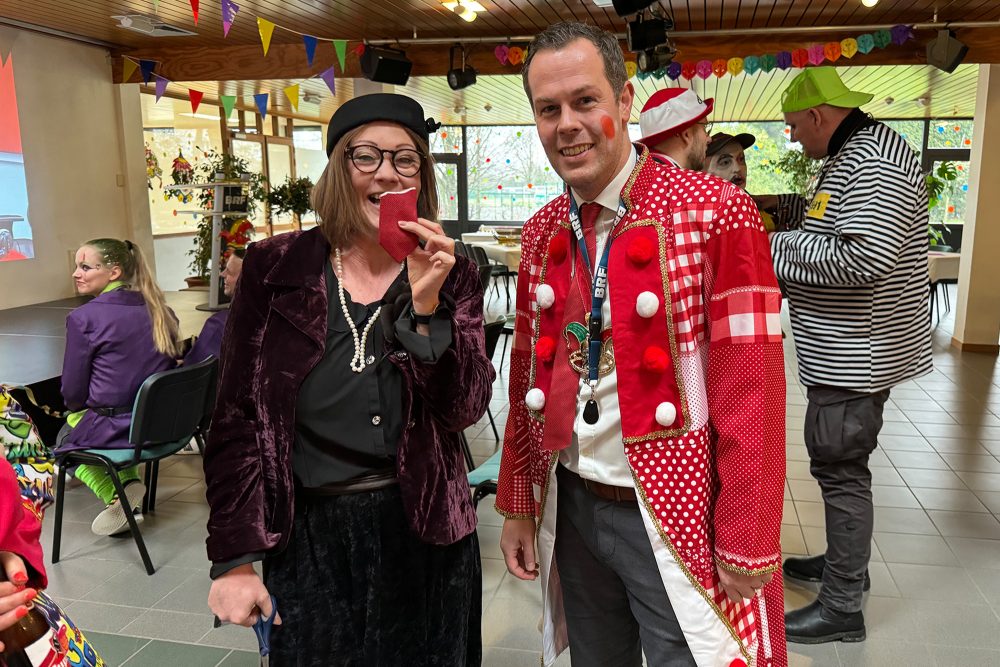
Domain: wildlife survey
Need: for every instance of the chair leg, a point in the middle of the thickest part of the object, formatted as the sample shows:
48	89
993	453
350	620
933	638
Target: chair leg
147	480
503	352
60	499
151	490
489	413
947	297
132	524
467	452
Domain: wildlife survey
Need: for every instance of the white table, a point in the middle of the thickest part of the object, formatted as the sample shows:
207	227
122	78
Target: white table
509	256
943	265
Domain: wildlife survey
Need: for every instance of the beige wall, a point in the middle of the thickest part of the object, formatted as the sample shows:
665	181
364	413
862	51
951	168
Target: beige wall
82	142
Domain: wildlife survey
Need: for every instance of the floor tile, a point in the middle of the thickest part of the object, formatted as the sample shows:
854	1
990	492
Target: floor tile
931	621
934	582
169	625
115	649
956	500
991	499
908	459
961	656
975	552
172	654
875	652
966	524
102	617
241	659
893	496
931	479
903	520
980	481
915	549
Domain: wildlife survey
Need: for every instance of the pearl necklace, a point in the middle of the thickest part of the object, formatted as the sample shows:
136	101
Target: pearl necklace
358	362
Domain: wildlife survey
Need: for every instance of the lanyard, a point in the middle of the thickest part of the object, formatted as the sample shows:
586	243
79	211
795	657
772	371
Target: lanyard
599	284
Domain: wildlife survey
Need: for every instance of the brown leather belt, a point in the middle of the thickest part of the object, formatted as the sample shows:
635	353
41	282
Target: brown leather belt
372	482
619	494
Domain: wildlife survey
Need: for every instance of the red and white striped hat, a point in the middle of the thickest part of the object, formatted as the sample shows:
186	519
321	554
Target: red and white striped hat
669	111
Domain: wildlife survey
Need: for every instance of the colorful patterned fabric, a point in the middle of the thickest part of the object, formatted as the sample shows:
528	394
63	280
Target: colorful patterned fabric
18	434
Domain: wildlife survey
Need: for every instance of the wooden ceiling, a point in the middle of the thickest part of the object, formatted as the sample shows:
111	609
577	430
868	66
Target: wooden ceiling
235	64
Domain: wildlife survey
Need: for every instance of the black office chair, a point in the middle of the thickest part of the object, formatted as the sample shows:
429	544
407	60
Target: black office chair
171	408
493	331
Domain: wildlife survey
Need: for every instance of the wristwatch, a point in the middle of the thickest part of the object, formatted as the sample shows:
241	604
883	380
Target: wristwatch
422	319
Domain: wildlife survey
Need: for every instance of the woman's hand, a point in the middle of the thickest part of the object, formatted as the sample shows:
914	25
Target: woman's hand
239	596
14	597
428	266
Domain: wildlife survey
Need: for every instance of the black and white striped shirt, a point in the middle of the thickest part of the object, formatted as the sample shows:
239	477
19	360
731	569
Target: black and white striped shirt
855	267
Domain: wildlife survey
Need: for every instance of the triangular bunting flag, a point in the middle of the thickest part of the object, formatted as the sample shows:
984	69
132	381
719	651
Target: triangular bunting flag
195	97
147	67
6	42
261	100
292	93
161	86
228	102
194	10
340	46
310	43
266	29
128	69
327	77
229	11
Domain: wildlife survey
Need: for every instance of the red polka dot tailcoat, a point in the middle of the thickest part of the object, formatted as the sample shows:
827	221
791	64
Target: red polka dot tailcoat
701	388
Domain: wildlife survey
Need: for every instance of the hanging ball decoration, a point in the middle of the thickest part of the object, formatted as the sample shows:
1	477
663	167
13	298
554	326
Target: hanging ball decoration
848	47
518	134
535	399
640	251
883	38
656	360
673	70
515	56
501	53
499	187
558	249
720	67
666	413
704	68
488	160
751	64
547	168
958	129
816	54
951	209
545	349
800	58
768	62
544	296
965	188
689	69
832	51
967	142
452	198
508	160
530	185
631	68
646	304
866	43
940	129
444	135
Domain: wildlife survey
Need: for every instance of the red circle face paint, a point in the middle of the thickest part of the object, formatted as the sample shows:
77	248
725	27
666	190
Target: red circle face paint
608	126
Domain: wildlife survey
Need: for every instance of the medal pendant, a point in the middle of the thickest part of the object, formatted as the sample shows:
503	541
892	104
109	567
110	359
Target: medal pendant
590	412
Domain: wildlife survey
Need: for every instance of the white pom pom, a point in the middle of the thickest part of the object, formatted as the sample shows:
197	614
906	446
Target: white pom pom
535	399
545	296
647	304
666	413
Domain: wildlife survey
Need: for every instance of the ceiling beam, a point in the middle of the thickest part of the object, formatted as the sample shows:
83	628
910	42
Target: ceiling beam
288	61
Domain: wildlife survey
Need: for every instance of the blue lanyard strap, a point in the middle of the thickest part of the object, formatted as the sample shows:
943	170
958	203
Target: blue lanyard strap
599	284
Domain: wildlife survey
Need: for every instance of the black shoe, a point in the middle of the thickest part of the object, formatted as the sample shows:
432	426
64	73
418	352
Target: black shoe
815	624
811	570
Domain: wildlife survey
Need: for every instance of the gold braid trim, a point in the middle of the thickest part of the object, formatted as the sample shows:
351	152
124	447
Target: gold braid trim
747	572
512	515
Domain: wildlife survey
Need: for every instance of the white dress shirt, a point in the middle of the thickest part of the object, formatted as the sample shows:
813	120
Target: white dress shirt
597	452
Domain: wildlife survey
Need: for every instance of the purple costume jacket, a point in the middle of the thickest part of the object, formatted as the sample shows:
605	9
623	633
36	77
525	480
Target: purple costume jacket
209	341
109	354
276	334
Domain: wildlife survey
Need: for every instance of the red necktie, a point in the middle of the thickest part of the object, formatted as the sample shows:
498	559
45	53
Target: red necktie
558	431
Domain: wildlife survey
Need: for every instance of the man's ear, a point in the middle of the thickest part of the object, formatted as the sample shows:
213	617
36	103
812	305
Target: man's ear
625	101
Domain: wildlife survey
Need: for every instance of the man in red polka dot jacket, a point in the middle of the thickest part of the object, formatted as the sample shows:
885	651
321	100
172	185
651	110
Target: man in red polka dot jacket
642	476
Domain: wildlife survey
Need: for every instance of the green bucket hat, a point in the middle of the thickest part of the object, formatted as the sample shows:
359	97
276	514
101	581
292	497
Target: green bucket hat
820	85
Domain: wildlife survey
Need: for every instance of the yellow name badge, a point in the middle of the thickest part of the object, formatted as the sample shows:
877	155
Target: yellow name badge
818	206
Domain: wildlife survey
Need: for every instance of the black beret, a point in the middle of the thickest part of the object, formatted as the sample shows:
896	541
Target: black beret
379	106
720	139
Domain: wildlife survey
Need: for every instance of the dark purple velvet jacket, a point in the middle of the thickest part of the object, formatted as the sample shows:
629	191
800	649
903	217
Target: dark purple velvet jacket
109	354
276	334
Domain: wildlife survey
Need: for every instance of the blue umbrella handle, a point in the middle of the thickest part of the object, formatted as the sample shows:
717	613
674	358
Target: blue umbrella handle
262	628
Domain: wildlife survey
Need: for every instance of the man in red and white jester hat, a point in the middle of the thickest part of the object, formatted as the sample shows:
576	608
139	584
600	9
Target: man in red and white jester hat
644	458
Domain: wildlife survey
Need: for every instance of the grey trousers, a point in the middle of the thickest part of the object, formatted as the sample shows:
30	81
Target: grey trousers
616	606
841	431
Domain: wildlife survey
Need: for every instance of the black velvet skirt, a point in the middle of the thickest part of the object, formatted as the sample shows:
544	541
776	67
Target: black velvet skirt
356	589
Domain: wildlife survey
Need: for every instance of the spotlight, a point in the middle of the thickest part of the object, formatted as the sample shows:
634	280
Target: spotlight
459	78
385	65
646	33
656	58
945	51
869	3
627	7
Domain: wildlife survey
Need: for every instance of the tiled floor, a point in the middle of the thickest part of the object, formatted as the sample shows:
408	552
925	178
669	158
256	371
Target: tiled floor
935	567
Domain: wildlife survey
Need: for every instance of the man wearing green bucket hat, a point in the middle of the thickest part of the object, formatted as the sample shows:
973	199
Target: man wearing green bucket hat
853	259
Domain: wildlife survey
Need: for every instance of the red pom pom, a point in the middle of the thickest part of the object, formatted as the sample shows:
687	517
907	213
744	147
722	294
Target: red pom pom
655	359
640	251
737	662
545	349
558	248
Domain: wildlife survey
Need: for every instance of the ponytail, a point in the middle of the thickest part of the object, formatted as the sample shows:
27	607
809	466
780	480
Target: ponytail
135	271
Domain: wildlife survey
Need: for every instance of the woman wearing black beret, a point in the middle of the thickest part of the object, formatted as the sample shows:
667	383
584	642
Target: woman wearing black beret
346	381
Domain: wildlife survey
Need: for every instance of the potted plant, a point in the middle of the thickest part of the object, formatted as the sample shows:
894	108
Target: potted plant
940	183
801	170
292	196
232	168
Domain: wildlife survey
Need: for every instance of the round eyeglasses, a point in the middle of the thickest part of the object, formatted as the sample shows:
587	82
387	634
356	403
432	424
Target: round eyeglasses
368	159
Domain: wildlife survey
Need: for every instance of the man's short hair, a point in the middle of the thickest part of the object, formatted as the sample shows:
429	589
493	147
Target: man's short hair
559	35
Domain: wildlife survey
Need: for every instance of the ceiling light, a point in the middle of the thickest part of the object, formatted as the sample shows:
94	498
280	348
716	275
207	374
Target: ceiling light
466	9
459	78
869	3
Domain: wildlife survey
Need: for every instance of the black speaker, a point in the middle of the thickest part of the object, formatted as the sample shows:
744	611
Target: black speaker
385	65
945	51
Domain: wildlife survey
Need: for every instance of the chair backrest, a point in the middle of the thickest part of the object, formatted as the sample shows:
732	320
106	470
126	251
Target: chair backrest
493	331
485	273
461	249
172	404
479	255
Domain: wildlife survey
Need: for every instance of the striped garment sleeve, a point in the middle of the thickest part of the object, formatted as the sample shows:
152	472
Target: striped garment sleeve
871	216
791	212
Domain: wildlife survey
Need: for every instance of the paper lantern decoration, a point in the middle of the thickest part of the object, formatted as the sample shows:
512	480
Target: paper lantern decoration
832	51
501	53
951	209
735	66
848	47
631	68
883	38
530	185
901	34
751	64
783	59
800	58
866	43
673	70
768	62
720	67
689	69
704	68
967	142
816	54
515	55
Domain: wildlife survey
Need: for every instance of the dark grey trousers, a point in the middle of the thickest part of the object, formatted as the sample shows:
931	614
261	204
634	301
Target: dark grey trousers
616	606
841	431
